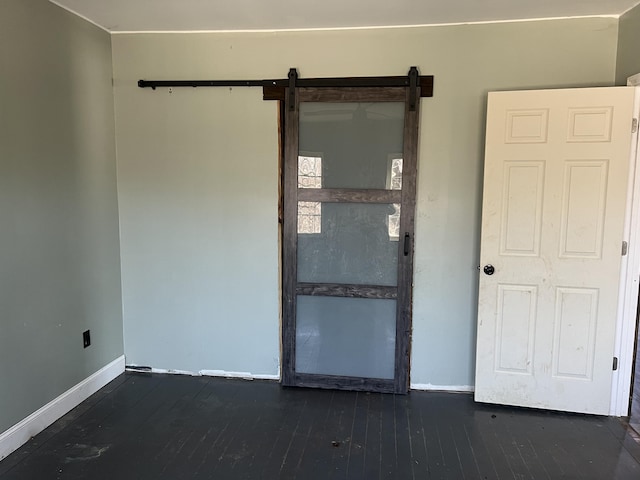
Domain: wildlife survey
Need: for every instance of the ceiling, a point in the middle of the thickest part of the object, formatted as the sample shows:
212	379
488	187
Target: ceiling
216	15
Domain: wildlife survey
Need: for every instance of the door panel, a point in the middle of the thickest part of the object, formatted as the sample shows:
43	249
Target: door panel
353	337
349	196
354	140
356	244
555	187
521	208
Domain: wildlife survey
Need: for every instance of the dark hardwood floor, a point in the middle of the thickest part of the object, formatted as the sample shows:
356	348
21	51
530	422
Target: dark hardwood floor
147	426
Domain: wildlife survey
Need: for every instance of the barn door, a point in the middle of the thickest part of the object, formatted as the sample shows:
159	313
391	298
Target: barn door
555	189
349	200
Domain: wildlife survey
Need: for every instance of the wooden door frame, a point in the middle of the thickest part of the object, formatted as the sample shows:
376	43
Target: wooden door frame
629	283
407	197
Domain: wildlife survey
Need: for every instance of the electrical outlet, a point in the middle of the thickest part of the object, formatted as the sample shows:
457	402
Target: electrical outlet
86	338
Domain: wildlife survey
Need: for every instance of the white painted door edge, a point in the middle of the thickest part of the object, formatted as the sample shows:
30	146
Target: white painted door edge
21	432
634	80
630	273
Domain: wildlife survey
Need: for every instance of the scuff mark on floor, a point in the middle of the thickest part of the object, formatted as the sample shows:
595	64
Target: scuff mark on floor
82	453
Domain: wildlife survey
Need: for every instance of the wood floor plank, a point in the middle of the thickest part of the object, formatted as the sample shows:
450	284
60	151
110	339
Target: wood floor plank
373	437
485	435
358	437
521	432
315	462
342	422
388	441
297	441
481	456
509	445
446	460
433	446
283	428
415	430
468	464
404	461
224	417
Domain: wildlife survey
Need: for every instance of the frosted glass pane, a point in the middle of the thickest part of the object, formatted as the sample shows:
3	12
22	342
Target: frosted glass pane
352	337
351	145
348	243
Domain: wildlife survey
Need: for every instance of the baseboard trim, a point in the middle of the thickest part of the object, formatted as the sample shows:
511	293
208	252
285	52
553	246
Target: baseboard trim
443	388
243	375
258	376
205	373
21	432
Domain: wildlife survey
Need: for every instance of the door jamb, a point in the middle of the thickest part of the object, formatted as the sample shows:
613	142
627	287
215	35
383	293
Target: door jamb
629	281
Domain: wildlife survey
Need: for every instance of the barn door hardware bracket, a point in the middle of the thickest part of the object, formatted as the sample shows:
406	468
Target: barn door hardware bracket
293	77
413	87
615	363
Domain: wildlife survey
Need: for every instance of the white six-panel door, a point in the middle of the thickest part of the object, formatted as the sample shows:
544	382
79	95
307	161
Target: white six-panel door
555	188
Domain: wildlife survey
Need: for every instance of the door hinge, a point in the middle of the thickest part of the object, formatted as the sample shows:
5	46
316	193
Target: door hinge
625	248
615	363
634	125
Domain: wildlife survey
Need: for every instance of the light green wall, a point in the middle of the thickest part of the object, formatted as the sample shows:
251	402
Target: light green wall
628	61
59	250
198	178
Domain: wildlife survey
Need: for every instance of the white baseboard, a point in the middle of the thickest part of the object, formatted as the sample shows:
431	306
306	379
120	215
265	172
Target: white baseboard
443	388
261	376
243	375
209	373
21	432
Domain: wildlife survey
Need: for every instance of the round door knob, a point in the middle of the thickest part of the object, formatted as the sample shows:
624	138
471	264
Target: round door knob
489	269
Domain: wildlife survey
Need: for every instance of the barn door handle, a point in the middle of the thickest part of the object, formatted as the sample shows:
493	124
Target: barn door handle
407	243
